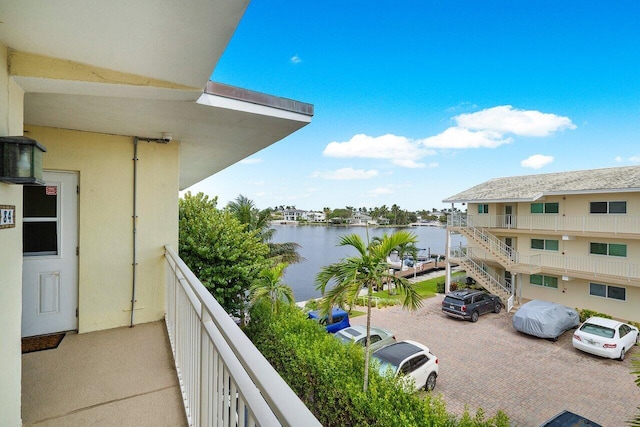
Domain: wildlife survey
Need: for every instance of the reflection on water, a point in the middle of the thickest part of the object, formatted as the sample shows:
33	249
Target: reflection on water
318	247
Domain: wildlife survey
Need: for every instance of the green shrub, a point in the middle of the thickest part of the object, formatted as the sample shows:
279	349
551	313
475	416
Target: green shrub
328	377
453	286
585	313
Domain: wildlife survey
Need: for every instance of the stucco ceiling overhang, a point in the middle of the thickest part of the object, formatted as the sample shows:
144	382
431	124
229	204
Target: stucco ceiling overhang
171	41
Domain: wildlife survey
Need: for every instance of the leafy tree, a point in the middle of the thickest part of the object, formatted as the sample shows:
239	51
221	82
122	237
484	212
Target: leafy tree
269	287
219	250
369	269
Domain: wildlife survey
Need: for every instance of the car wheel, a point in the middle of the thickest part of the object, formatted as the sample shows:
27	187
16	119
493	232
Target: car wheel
431	382
621	358
497	308
474	316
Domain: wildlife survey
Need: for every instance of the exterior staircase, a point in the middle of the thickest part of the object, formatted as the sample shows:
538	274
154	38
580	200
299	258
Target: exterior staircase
484	276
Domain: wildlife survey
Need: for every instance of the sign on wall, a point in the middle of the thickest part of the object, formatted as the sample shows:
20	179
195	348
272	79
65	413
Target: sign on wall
7	216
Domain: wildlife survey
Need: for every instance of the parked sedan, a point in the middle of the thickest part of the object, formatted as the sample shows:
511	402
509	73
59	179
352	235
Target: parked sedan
358	333
411	360
605	337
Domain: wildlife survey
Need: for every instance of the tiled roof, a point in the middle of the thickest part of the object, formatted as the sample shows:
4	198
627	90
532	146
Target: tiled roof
532	187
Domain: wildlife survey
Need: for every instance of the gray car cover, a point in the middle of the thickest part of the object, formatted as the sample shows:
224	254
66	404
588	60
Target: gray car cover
545	319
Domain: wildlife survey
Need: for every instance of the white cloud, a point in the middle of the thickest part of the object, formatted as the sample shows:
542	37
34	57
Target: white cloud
632	159
381	191
505	119
250	161
536	161
346	174
399	150
458	138
489	128
295	59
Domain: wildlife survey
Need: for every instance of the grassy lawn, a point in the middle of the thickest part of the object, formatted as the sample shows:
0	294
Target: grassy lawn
425	288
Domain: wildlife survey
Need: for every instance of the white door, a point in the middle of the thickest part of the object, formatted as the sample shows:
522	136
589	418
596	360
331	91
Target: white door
50	263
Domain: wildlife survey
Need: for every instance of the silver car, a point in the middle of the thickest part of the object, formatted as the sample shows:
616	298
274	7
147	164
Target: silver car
357	333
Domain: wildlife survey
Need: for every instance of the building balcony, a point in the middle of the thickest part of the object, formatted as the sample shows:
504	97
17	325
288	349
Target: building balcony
195	368
619	226
123	376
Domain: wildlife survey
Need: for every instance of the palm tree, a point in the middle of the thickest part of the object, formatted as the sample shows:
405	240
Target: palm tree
269	286
254	219
369	269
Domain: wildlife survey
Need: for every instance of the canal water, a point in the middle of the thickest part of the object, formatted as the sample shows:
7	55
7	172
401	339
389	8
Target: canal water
318	245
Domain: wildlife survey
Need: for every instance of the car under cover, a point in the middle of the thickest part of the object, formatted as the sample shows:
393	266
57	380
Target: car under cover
545	319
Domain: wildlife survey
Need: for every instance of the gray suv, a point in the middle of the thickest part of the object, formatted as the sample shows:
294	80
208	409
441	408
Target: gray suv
469	304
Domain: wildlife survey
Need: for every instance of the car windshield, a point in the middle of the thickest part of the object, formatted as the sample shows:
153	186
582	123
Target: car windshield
344	338
385	367
601	331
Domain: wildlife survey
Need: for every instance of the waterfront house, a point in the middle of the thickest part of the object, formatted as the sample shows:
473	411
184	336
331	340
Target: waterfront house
572	238
293	214
118	93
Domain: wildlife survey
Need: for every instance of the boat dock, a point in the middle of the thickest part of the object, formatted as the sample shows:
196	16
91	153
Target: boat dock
434	264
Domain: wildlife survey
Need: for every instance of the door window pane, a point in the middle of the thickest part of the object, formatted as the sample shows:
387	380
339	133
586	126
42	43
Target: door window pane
40	238
37	204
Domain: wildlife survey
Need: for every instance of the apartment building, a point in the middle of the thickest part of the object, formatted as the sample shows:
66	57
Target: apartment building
572	238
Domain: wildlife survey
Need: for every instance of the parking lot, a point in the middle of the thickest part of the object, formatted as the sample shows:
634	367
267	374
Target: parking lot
489	364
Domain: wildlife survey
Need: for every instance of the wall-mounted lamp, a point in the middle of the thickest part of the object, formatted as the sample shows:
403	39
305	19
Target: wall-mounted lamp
21	160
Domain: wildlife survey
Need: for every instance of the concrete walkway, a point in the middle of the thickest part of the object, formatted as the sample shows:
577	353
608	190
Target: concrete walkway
489	364
117	377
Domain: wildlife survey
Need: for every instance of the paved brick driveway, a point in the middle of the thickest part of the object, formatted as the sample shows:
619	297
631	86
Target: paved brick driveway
530	379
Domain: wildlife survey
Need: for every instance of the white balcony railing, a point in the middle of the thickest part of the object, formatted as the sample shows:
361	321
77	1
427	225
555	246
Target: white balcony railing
614	224
225	380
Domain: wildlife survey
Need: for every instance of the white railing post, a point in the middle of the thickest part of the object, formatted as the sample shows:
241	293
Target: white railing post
223	377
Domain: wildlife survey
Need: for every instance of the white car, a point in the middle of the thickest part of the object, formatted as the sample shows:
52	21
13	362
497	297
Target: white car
357	334
410	359
605	337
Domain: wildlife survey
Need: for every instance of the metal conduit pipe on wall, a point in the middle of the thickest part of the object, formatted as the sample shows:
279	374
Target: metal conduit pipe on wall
165	139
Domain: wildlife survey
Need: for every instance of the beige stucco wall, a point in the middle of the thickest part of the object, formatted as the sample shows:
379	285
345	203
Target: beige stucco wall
11	102
105	167
575	293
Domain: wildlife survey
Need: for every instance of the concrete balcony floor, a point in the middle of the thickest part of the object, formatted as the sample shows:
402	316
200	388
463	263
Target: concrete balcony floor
117	377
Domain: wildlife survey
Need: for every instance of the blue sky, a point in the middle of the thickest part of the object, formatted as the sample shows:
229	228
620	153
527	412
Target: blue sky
416	101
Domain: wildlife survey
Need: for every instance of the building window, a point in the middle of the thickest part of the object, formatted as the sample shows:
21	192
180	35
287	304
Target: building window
548	208
544	281
608	291
545	245
483	209
610	249
617	207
